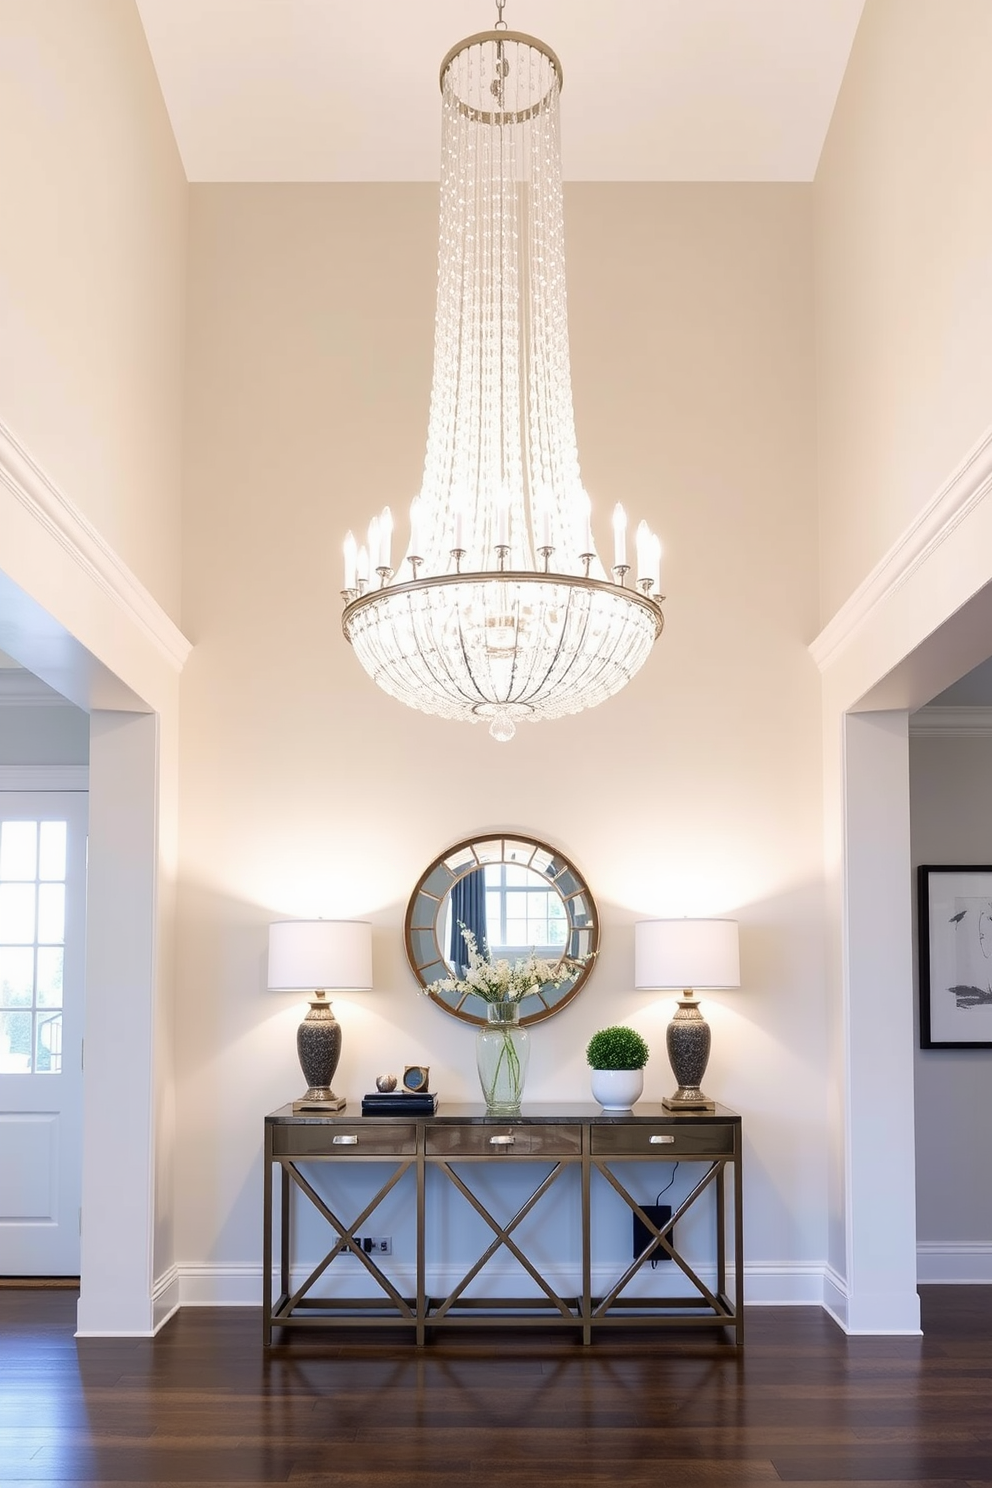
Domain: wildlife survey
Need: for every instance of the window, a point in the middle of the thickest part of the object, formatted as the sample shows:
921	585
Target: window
32	945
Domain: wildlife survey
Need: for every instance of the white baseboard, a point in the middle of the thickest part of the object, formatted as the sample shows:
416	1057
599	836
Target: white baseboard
220	1286
835	1296
784	1285
779	1285
945	1264
165	1298
765	1285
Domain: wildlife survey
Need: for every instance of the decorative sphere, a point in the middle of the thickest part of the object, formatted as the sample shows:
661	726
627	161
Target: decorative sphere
385	1082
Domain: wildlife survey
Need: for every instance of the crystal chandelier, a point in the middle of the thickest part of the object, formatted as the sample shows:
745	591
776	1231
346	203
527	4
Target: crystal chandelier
501	608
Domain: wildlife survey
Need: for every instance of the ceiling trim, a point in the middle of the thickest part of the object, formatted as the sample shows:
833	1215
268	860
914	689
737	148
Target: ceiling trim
307	91
44	777
958	722
964	490
61	519
21	689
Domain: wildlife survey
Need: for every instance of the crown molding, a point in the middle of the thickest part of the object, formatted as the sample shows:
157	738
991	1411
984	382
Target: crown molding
954	722
76	535
21	689
965	489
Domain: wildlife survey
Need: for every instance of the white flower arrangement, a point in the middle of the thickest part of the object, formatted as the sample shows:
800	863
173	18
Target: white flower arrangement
502	980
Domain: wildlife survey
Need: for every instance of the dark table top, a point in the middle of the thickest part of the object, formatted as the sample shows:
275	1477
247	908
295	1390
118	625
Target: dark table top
545	1112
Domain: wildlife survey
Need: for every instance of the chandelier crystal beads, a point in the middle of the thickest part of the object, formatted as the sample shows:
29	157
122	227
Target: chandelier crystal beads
501	608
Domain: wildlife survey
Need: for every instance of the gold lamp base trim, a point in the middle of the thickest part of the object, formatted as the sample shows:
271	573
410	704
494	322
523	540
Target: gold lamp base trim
315	1101
686	1099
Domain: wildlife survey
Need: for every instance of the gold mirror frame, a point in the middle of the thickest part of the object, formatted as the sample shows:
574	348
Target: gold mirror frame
423	926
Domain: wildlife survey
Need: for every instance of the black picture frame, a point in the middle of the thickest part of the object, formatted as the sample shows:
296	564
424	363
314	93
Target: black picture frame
954	908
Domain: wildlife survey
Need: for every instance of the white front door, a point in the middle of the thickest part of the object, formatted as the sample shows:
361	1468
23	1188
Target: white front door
42	935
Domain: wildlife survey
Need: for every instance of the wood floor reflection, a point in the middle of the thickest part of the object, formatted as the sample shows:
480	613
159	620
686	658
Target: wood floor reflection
204	1404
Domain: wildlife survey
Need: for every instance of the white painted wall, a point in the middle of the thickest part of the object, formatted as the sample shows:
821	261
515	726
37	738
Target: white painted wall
951	792
119	1072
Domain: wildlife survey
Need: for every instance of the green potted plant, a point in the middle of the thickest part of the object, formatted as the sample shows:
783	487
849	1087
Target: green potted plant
617	1056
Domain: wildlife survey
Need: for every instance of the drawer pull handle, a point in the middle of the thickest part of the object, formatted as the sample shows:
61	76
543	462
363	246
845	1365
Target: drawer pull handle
501	1141
660	1141
347	1141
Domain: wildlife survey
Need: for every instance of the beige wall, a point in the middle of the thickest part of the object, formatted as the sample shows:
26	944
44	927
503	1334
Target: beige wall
903	276
92	262
305	791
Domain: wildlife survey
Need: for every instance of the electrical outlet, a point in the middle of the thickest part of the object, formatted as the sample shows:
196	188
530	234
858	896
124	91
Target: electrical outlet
375	1244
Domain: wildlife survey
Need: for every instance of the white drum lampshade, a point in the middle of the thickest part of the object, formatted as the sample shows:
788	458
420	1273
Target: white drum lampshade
320	956
687	954
333	954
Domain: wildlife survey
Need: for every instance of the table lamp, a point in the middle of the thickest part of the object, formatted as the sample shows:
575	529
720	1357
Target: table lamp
320	956
687	954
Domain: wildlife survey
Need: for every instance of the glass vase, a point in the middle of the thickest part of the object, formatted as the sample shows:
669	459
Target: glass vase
502	1049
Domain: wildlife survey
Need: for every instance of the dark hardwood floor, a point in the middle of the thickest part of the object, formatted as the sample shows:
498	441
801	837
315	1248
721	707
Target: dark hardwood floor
204	1404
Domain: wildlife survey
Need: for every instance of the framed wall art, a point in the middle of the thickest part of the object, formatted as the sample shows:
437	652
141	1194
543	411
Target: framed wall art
955	927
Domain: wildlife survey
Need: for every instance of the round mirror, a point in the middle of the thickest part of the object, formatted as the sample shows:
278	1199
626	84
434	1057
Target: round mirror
516	896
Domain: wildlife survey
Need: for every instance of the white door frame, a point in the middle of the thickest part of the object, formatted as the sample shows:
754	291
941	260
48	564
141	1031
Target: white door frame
75	616
920	620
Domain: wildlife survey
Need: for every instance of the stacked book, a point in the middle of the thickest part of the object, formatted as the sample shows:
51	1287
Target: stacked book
399	1103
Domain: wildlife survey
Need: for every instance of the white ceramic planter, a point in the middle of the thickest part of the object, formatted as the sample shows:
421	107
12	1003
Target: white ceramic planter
617	1090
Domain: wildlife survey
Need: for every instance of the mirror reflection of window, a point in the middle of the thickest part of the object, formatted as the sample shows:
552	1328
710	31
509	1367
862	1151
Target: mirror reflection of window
521	913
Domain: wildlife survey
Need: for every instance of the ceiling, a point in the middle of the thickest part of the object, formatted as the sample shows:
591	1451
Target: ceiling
655	90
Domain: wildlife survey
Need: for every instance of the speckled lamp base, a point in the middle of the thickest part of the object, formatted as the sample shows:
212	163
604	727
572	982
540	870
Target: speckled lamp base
688	1040
318	1043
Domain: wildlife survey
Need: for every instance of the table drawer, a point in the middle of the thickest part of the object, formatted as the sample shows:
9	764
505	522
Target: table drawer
511	1140
356	1139
662	1140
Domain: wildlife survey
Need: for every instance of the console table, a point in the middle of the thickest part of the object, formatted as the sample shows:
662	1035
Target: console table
550	1139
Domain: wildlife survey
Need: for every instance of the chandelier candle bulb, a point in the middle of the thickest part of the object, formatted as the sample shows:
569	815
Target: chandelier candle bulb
588	545
350	561
642	542
544	528
656	562
503	519
416	541
362	566
374	559
619	536
385	539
